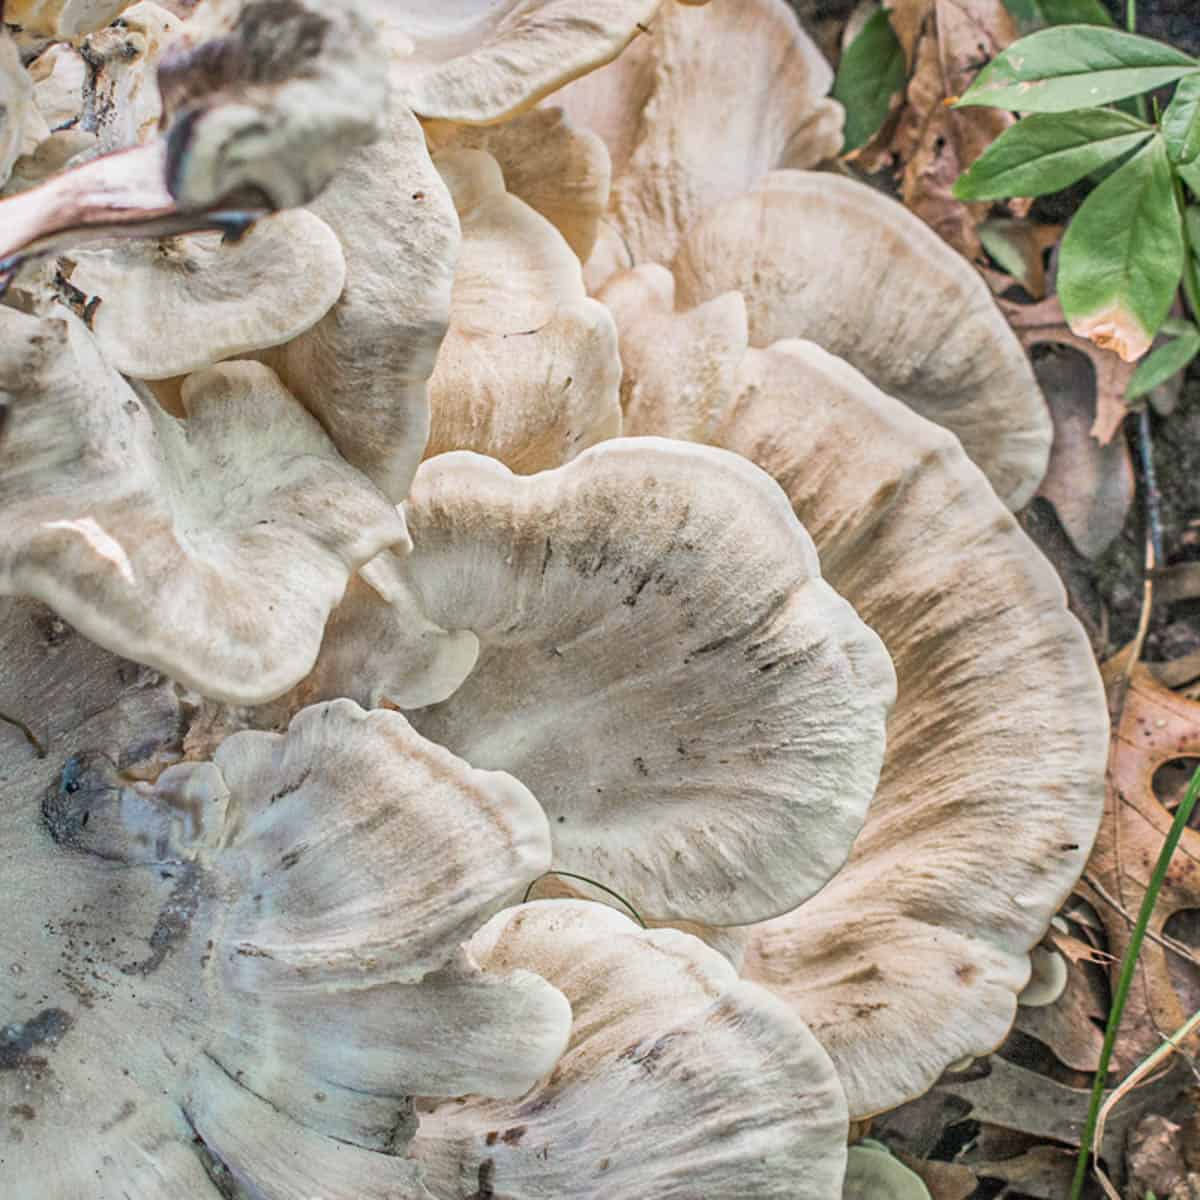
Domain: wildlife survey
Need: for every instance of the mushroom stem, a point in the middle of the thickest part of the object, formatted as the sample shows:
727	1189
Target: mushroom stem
122	194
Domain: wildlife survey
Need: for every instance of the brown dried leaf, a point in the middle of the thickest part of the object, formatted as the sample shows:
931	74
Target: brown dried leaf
943	1180
1155	1159
1044	324
1044	1172
1071	1026
1154	727
1090	485
1020	247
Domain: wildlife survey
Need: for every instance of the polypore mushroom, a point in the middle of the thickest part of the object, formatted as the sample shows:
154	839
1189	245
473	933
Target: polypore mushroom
271	937
528	372
165	308
872	1173
363	369
62	18
212	548
662	664
1047	978
260	117
679	1080
686	132
830	260
914	953
481	61
558	169
16	92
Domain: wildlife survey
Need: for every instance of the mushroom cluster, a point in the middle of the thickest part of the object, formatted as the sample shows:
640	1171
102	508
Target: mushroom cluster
517	674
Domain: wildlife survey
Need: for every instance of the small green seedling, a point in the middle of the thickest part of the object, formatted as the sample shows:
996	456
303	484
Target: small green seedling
1130	244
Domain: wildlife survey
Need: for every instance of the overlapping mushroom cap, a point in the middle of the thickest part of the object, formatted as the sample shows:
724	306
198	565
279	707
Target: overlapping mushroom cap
221	965
16	95
914	953
679	1080
695	112
662	664
213	548
528	372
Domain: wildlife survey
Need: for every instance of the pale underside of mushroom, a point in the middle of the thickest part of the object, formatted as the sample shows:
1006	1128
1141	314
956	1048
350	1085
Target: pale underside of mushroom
16	96
679	1080
480	61
558	169
913	955
59	75
220	966
830	260
363	370
662	664
212	548
173	306
696	112
528	372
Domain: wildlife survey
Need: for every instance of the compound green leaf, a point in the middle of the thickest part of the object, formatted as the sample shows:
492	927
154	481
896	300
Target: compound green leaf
871	72
1181	121
1159	365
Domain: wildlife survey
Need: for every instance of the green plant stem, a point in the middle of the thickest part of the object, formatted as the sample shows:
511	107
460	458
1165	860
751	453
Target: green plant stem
1131	15
1125	980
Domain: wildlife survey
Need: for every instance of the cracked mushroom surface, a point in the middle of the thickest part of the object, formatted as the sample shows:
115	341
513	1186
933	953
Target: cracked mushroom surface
528	372
686	132
481	61
833	261
221	965
913	956
663	666
679	1079
213	548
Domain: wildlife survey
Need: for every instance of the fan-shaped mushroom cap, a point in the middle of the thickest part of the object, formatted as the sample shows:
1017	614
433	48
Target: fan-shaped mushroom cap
363	369
480	61
697	112
16	94
167	308
824	258
661	664
559	170
679	1080
62	18
992	787
1047	980
528	372
873	1174
59	75
212	548
287	916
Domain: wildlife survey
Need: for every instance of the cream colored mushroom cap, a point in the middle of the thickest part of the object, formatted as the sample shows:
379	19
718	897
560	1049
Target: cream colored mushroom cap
558	169
212	548
679	1080
661	663
824	258
171	307
363	369
528	372
273	934
480	61
62	18
695	113
16	99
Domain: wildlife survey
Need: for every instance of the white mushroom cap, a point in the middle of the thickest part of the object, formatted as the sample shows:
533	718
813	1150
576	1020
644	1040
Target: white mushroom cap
695	113
16	95
913	955
212	548
558	169
1047	980
363	369
167	308
872	1173
828	259
58	75
679	1080
271	937
528	372
480	61
62	18
661	663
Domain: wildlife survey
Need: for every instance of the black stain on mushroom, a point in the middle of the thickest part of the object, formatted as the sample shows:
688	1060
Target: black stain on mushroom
647	1056
18	1040
174	921
485	1178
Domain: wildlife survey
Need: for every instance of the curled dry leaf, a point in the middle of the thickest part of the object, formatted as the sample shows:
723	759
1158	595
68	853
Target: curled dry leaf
1154	727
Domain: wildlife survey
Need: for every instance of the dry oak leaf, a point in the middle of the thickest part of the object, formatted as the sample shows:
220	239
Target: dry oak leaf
946	44
1044	324
1154	727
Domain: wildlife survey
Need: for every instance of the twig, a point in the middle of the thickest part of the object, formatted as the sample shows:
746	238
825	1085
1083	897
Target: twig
1167	943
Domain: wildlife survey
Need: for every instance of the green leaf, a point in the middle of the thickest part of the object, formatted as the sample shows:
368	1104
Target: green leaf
1050	151
1036	14
1189	172
1181	121
1178	327
1076	66
871	72
1122	256
1159	365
